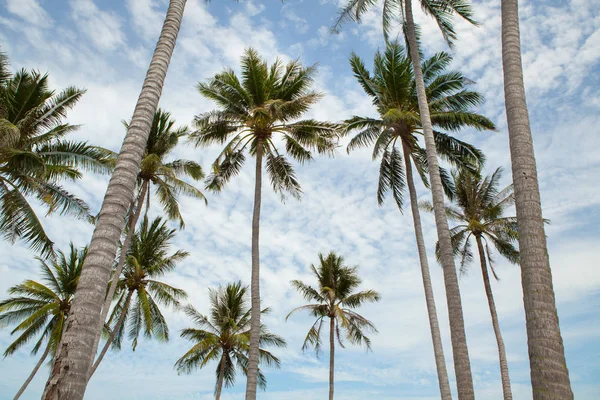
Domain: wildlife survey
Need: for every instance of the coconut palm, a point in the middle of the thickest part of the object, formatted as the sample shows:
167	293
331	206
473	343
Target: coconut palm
253	114
68	378
549	373
139	293
442	11
224	336
40	309
394	136
335	298
479	212
35	156
165	176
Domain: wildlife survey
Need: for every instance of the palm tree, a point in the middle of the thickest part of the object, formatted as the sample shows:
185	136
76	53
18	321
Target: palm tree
479	212
40	309
139	294
253	113
165	176
335	298
35	155
549	373
394	137
68	378
224	337
442	11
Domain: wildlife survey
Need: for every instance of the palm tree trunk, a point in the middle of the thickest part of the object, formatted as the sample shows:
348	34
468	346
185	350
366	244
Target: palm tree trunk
549	373
331	355
490	298
68	377
255	281
220	378
462	364
122	257
438	349
112	336
35	370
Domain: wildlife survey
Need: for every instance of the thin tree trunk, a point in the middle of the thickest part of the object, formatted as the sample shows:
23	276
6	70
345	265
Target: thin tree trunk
68	377
549	373
220	379
122	258
255	281
438	349
490	298
112	336
35	370
331	355
462	364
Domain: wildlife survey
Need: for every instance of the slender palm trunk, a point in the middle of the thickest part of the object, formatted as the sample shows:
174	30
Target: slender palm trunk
255	281
462	364
113	334
68	378
438	349
220	378
549	373
137	206
490	298
35	370
331	355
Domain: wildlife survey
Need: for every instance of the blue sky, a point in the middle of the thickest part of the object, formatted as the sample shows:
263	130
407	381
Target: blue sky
105	46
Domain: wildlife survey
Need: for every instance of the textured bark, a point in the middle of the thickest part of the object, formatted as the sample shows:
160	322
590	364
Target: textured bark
35	370
438	349
122	258
113	333
331	355
255	281
462	364
220	379
549	373
68	378
506	391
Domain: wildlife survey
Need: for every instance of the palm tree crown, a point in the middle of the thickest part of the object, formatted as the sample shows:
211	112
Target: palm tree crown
42	308
335	298
224	336
148	259
393	90
256	111
35	156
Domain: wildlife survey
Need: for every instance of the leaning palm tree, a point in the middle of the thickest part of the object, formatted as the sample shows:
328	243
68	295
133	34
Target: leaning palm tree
442	11
253	113
35	156
335	298
68	378
224	336
40	309
139	292
394	137
479	213
165	176
549	373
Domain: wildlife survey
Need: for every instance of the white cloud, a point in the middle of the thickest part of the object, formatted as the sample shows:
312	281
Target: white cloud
30	11
102	28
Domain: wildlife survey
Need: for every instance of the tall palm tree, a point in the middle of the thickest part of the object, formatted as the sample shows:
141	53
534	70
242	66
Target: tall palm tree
253	113
40	309
224	336
165	176
479	213
35	156
68	378
442	11
139	294
549	373
394	136
335	298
